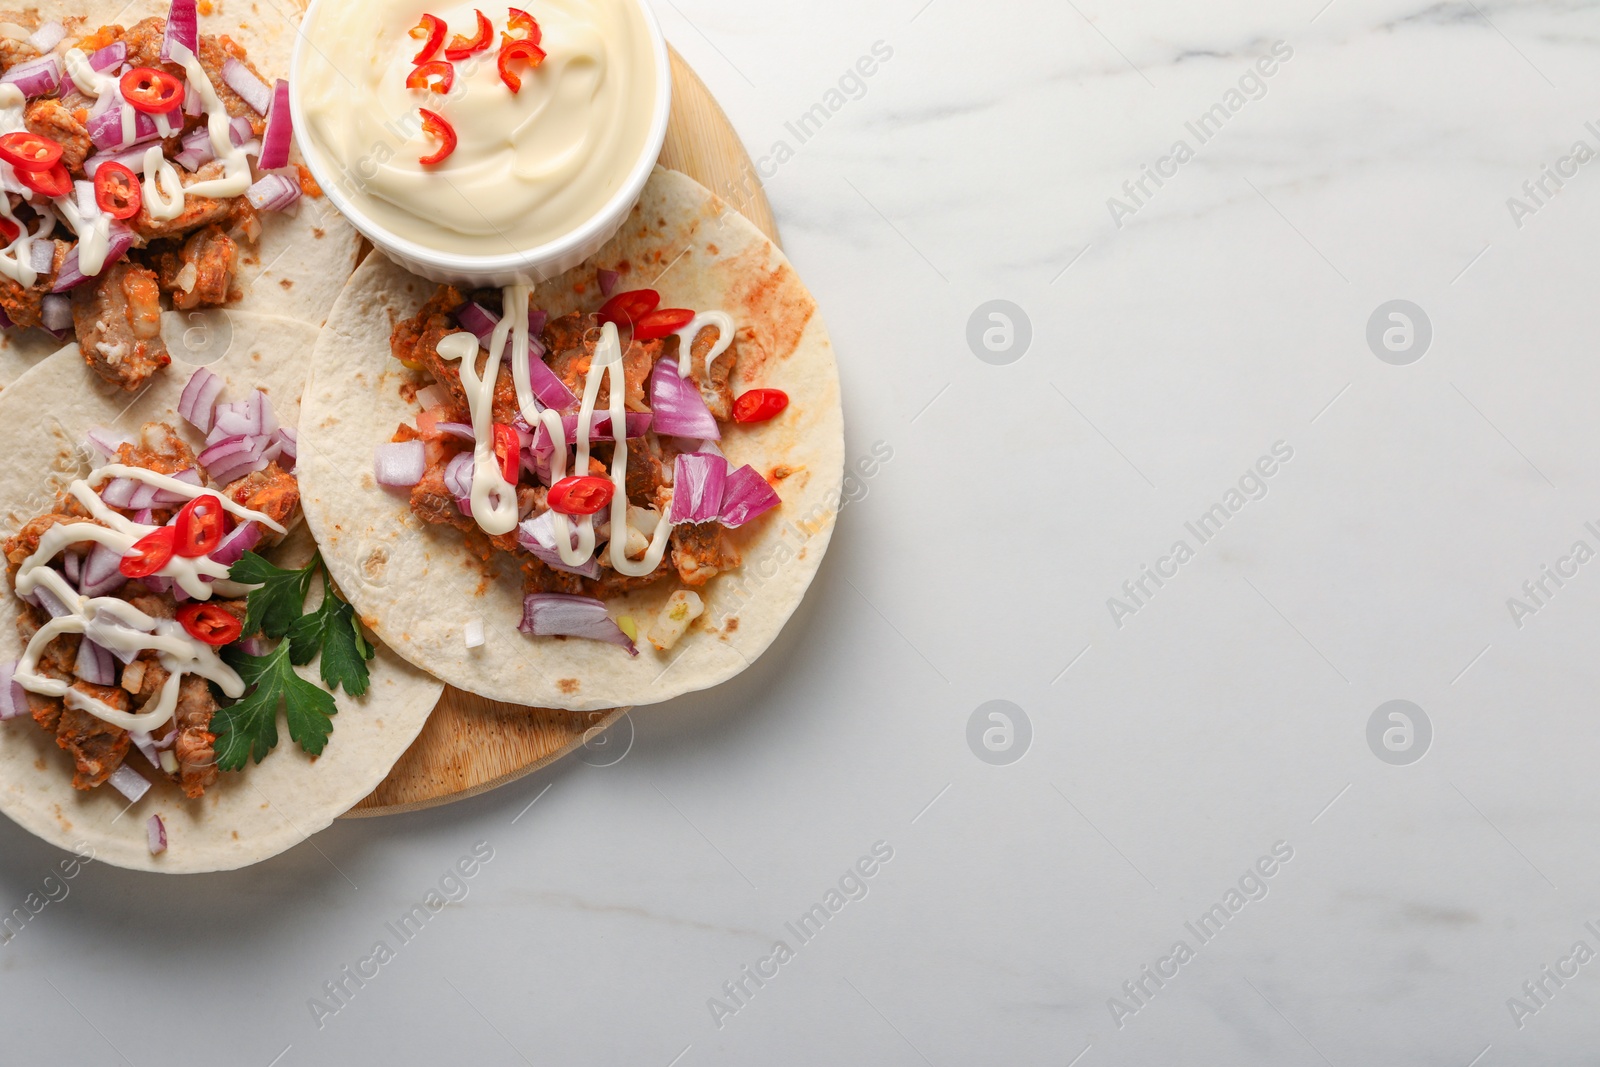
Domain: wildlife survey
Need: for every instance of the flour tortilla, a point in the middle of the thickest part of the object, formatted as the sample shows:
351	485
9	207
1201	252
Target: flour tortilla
302	260
418	587
246	816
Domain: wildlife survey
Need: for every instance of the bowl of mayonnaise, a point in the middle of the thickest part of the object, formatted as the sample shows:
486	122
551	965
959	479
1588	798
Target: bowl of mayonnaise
484	146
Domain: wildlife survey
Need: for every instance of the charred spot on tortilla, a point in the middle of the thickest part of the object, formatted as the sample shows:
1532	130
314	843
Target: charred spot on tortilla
568	685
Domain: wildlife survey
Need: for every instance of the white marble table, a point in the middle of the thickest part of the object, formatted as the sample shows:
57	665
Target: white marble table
1197	764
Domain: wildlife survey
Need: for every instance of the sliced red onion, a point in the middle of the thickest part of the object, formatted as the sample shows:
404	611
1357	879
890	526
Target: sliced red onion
634	424
679	408
118	492
71	276
112	55
155	832
232	457
280	127
537	317
72	567
105	129
551	390
746	495
250	88
5	320
562	614
132	158
261	404
193	106
36	77
607	280
478	319
146	517
183	28
240	130
272	192
94	664
197	149
231	420
13	700
55	311
151	748
129	782
159	497
698	479
50	603
460	430
538	536
241	539
100	571
288	442
458	475
47	36
399	463
198	403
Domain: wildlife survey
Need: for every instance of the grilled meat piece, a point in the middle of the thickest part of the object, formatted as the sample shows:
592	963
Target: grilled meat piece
715	387
571	341
194	747
200	271
197	211
24	304
97	747
701	551
118	322
158	449
49	117
272	491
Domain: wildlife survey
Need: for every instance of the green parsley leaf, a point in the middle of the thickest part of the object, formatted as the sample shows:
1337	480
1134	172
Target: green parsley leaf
273	608
333	629
248	729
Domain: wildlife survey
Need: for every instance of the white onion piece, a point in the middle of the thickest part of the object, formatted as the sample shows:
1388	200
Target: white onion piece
242	80
399	464
46	37
129	782
13	700
562	614
55	311
156	835
94	664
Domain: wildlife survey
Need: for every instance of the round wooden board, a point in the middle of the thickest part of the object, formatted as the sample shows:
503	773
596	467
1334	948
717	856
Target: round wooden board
471	745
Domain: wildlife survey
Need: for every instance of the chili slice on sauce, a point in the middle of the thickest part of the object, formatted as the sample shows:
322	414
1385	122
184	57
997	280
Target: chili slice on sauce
435	125
150	553
437	71
519	19
512	51
155	92
26	149
199	526
581	494
661	322
211	623
430	31
53	180
117	190
759	405
461	47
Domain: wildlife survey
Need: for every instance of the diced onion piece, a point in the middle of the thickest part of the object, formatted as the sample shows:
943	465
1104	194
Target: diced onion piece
240	131
607	280
272	192
551	390
537	317
132	158
431	396
101	574
538	536
47	36
698	479
13	701
680	410
241	539
233	457
198	403
72	276
72	567
112	55
183	28
562	614
280	128
289	447
399	463
94	664
746	495
681	609
472	633
251	89
479	320
55	311
129	782
50	603
459	430
458	475
36	77
197	149
105	129
156	832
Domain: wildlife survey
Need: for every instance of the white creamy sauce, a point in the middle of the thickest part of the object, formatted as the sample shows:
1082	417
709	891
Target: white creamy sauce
16	260
163	191
115	624
235	164
724	324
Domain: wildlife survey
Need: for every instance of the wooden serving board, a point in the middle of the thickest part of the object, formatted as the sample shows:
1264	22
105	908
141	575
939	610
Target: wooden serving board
471	745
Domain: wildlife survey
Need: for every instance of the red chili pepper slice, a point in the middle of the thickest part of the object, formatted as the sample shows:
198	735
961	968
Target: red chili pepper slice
626	309
581	494
211	623
424	77
27	149
9	231
150	553
508	450
434	124
431	32
661	322
759	405
512	51
52	181
519	19
460	47
199	526
117	191
155	92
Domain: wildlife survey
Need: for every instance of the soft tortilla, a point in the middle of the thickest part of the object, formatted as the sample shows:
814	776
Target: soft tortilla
301	261
246	816
417	585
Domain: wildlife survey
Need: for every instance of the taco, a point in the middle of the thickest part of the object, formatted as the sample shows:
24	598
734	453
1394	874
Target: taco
160	612
146	164
504	539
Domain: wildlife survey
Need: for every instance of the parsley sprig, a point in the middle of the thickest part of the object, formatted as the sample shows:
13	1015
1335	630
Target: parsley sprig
248	729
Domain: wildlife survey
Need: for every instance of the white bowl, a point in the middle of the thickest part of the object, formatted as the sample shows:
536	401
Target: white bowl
516	268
